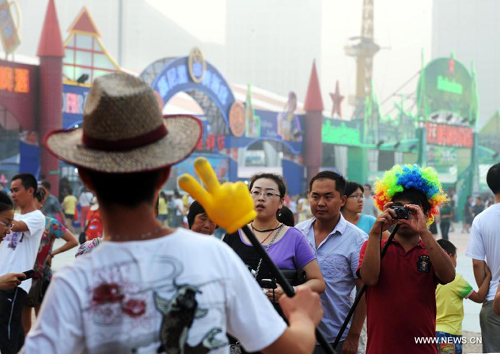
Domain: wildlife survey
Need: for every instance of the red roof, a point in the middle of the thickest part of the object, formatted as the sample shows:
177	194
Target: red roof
50	44
84	23
314	102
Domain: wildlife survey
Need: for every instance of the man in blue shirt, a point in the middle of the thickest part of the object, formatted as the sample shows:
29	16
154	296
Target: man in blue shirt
336	244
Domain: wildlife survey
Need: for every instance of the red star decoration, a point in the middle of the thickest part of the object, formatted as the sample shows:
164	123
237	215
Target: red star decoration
451	65
337	100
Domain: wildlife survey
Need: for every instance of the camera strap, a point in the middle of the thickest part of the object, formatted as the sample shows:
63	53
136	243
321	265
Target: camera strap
268	248
363	288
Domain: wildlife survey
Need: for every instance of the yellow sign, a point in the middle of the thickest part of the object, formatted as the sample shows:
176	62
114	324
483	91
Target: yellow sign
14	79
196	65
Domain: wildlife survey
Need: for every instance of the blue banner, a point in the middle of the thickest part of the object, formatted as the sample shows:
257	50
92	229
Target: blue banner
73	102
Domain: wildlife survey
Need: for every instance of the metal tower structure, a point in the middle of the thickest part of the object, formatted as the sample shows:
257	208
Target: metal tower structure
363	49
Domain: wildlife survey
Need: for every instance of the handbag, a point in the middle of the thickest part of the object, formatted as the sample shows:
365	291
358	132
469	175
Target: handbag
294	277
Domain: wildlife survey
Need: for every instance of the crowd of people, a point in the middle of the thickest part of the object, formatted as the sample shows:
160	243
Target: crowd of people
142	286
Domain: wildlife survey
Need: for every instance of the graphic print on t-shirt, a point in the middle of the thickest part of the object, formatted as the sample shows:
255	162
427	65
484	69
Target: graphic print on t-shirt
179	314
118	301
14	238
424	264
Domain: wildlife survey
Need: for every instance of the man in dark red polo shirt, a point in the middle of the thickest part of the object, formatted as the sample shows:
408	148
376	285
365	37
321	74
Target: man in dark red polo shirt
400	298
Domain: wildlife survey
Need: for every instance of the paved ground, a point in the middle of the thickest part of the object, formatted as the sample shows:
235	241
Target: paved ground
464	266
470	324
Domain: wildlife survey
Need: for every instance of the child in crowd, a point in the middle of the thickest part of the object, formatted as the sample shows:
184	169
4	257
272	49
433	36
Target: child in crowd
450	307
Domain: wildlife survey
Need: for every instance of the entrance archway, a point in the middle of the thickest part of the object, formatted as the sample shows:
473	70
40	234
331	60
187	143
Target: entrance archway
200	80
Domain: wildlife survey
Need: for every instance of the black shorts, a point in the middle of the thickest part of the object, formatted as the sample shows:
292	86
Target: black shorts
69	216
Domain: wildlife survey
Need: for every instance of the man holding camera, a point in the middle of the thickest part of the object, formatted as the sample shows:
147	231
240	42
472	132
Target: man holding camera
400	297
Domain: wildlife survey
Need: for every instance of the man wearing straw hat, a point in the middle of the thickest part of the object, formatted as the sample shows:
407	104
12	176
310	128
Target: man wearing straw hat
148	288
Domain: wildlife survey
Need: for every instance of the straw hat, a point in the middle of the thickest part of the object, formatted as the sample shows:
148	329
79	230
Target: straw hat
124	131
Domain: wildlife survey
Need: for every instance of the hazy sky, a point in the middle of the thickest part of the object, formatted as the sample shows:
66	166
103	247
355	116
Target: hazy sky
402	27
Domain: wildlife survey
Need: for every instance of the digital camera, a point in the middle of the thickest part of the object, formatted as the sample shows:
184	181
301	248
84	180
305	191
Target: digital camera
401	212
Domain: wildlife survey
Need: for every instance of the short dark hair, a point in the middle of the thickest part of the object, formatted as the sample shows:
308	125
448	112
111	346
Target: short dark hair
368	185
351	187
27	180
414	196
194	209
447	246
340	181
493	178
46	185
6	202
126	189
285	216
276	178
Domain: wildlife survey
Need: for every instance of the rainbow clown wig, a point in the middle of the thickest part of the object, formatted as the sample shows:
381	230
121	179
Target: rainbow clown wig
411	177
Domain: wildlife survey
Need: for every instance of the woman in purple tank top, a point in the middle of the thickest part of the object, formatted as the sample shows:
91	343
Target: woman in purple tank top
286	246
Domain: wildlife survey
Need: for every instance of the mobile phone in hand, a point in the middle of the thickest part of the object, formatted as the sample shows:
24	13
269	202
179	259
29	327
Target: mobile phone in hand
268	284
29	274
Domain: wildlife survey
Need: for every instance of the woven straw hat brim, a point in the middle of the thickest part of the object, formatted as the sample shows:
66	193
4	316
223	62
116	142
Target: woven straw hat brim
180	141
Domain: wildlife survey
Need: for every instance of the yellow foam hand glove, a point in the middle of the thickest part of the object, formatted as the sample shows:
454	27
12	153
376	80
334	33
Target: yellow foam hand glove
228	205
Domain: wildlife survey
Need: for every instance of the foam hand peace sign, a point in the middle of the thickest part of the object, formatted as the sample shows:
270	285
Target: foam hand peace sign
229	205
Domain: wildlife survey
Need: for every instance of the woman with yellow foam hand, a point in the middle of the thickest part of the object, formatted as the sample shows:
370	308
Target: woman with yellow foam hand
287	246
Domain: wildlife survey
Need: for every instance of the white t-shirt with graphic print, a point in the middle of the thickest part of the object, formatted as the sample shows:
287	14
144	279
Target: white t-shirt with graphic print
18	250
133	296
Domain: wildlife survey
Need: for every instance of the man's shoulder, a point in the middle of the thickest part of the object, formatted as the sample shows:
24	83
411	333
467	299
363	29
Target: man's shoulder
179	239
203	249
32	215
305	225
488	214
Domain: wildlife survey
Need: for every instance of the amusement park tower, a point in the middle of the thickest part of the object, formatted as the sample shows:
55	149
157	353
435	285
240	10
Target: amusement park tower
364	51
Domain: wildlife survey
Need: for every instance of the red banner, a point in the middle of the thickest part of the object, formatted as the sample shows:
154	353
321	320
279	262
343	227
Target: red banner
449	135
211	142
